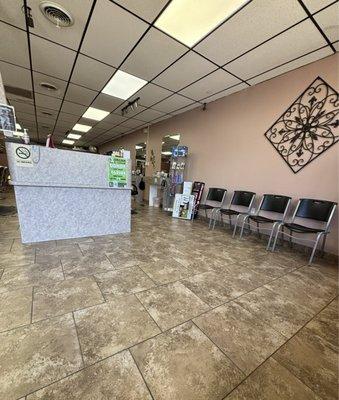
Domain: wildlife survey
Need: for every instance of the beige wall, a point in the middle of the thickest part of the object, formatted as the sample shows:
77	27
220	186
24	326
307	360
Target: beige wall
227	147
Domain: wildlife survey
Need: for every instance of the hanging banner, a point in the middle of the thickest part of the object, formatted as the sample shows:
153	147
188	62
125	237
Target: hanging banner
117	172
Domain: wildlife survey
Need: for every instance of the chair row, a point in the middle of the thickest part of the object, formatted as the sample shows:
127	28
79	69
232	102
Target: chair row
310	216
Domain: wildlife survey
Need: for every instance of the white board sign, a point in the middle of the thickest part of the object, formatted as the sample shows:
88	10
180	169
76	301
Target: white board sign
23	155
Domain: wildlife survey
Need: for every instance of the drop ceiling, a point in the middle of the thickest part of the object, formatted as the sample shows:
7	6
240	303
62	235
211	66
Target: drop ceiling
264	39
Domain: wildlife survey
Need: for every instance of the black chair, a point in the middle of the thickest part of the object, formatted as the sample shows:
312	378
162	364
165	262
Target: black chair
134	192
318	213
240	204
272	210
214	200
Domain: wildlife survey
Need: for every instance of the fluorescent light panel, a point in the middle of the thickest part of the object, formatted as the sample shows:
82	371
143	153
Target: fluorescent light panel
123	85
67	141
95	113
81	128
138	147
189	20
75	136
166	153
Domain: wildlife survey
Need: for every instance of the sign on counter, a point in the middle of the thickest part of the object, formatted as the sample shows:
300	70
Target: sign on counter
117	172
23	155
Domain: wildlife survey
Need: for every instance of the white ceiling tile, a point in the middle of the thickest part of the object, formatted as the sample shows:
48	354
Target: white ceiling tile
42	78
91	73
72	119
172	103
22	107
212	83
336	46
73	108
42	100
11	12
132	123
329	22
151	94
114	119
256	22
106	102
187	108
188	69
112	33
165	116
70	36
315	5
15	76
292	65
51	59
305	38
80	95
146	9
225	93
155	52
13	45
149	115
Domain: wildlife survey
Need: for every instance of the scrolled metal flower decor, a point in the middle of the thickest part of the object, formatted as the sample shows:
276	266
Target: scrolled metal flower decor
308	127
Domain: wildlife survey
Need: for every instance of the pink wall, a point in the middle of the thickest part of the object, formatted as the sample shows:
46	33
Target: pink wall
227	147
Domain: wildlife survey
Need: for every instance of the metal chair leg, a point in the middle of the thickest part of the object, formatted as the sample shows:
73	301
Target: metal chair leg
323	245
243	225
276	237
216	215
236	225
271	235
315	247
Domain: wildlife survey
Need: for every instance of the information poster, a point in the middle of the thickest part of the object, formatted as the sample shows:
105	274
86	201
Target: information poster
183	206
117	172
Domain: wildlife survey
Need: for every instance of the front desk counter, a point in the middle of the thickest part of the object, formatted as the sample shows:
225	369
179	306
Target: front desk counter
63	194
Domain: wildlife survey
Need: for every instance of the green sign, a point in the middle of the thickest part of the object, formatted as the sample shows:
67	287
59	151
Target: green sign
117	172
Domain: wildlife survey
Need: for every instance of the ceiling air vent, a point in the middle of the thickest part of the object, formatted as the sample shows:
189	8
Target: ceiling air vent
48	86
56	14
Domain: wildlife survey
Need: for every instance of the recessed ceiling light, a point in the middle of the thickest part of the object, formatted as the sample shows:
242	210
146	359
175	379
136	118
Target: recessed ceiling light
18	126
81	128
175	137
67	141
95	113
123	85
166	153
74	136
189	22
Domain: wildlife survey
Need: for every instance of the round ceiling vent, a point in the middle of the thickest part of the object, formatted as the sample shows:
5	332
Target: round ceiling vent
56	14
48	86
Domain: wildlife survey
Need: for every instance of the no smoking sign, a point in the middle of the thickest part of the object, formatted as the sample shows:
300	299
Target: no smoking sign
23	156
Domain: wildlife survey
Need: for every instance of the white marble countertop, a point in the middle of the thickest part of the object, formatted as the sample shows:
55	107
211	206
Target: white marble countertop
68	185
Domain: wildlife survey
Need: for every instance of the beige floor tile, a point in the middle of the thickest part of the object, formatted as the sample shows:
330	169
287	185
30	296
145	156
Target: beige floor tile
123	281
114	378
165	271
245	339
34	356
111	327
299	291
283	315
172	304
33	274
271	381
208	288
268	266
15	308
16	259
183	364
124	259
326	323
85	266
314	361
65	296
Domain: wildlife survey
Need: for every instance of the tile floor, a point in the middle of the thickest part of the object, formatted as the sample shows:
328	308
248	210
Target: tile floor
171	311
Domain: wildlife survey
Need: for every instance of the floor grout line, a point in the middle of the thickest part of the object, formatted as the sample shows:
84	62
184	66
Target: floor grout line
141	374
77	335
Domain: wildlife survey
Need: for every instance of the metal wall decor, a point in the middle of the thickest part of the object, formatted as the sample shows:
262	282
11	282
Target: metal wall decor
308	127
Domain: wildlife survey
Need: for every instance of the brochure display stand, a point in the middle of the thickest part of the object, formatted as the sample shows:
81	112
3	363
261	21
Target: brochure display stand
176	176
